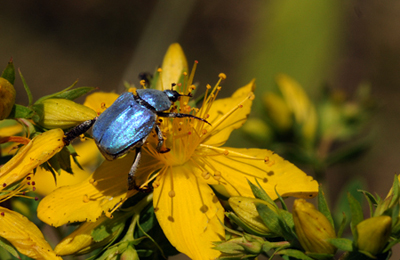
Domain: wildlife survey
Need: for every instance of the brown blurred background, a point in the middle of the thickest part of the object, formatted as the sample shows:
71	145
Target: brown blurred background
103	43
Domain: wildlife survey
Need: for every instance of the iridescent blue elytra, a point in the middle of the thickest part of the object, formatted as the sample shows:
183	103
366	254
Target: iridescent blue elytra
120	127
128	122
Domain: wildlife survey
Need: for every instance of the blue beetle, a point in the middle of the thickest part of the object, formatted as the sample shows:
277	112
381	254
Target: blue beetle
128	122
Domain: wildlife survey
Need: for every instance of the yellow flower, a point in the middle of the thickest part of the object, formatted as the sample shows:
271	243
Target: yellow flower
186	207
14	179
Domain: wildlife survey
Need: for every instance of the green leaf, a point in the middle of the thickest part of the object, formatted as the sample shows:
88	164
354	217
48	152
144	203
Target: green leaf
74	93
349	152
9	72
19	111
8	247
371	201
28	91
342	206
74	155
390	245
284	207
270	219
260	193
323	206
342	243
294	253
342	226
320	256
356	214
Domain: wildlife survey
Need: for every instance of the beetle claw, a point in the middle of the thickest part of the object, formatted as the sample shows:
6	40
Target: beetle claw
165	150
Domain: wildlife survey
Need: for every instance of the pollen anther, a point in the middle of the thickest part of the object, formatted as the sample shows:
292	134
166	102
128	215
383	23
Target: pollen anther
171	193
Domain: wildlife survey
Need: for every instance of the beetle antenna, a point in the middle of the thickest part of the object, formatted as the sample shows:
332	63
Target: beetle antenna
172	86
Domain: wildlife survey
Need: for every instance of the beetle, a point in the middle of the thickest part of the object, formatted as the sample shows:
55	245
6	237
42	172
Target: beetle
127	123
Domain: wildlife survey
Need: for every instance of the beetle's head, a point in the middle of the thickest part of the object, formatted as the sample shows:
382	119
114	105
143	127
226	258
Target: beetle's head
173	95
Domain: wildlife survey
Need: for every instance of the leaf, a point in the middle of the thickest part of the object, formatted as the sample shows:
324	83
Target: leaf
356	214
342	206
259	193
28	91
342	226
9	72
371	201
342	243
284	207
19	111
294	253
8	247
75	93
323	207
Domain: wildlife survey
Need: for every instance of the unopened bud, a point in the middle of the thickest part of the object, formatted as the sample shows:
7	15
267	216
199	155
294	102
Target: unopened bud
373	234
313	229
61	113
129	254
7	98
240	247
246	210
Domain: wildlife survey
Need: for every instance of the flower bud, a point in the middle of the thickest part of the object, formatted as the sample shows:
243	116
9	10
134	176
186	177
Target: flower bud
313	229
240	247
173	67
7	98
246	210
129	254
373	234
61	113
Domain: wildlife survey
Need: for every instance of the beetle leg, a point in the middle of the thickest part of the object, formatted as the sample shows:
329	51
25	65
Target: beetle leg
131	176
78	130
172	115
160	140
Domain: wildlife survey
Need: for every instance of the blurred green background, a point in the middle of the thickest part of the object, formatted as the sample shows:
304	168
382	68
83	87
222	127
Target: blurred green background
318	43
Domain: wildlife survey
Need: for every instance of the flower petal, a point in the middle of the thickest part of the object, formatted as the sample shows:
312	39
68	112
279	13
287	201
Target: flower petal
24	235
86	201
236	166
36	152
173	67
229	114
191	219
99	101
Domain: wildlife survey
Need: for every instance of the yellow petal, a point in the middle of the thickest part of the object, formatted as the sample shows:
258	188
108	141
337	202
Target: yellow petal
24	236
86	201
173	67
298	102
193	218
229	114
99	101
36	152
236	166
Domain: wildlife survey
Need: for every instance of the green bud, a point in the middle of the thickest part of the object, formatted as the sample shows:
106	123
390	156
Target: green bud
61	113
373	234
240	247
129	254
313	229
246	210
7	98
